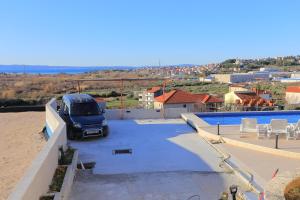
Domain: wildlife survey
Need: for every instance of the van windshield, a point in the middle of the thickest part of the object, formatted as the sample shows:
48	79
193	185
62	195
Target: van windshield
85	109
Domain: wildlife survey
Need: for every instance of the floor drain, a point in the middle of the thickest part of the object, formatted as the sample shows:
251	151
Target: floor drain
122	151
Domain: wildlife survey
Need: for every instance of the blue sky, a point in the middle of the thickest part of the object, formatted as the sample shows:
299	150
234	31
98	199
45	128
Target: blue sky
140	32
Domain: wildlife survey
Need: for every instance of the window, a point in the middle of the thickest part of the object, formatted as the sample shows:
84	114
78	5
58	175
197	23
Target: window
84	109
184	105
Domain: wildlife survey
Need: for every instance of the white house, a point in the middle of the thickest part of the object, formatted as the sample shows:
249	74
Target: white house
292	95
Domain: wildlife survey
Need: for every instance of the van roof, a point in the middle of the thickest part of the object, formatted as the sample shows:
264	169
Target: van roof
77	98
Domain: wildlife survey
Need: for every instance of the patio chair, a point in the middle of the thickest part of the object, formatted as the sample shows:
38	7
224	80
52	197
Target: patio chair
294	130
278	126
249	125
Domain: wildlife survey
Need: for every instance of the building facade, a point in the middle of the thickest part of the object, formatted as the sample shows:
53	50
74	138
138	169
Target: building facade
247	100
191	102
146	98
292	95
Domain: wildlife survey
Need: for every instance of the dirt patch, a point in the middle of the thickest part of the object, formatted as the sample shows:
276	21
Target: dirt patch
292	190
58	179
20	142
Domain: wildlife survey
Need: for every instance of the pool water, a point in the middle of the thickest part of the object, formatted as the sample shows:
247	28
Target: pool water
235	118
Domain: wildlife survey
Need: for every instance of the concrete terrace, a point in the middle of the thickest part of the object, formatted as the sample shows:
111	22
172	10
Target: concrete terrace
261	163
169	160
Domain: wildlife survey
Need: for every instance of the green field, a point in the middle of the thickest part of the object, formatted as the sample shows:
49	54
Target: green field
116	103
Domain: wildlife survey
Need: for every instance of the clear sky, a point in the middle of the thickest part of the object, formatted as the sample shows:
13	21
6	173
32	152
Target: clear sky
140	32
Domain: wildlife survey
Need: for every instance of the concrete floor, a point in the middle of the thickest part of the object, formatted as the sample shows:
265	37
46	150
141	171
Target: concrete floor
261	165
155	147
168	161
179	185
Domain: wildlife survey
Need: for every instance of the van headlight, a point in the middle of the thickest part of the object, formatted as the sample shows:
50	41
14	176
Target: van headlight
104	122
77	125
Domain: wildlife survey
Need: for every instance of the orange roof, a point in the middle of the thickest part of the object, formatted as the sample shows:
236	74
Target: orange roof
295	89
179	96
153	89
212	99
251	99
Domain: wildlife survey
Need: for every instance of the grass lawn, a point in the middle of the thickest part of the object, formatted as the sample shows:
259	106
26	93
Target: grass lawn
116	103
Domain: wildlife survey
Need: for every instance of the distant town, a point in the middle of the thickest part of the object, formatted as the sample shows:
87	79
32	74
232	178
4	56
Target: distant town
232	85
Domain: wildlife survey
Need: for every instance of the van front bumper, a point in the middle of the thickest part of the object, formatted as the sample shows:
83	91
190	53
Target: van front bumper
92	132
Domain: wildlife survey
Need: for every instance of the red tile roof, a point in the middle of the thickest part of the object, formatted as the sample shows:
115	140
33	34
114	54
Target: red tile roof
212	99
251	99
179	96
153	89
295	89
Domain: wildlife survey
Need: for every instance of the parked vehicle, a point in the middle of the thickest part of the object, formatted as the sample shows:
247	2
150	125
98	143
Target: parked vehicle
83	116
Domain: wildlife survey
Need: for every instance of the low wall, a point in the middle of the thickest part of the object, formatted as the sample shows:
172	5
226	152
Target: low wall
114	114
38	177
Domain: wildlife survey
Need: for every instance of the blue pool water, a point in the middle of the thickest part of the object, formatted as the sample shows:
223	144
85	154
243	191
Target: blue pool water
235	118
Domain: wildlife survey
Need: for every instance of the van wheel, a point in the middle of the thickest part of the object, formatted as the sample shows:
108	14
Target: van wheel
105	131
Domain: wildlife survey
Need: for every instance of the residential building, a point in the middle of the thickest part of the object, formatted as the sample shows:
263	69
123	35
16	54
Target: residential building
295	75
241	77
267	95
192	102
247	100
207	79
292	95
290	80
146	98
269	69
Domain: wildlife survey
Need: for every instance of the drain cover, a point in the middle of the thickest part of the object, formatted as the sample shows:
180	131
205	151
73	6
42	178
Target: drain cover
122	151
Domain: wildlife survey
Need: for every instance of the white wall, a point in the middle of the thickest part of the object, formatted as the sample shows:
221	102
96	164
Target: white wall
144	113
38	177
292	98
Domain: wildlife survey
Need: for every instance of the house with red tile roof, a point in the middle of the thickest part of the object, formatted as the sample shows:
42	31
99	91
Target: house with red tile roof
192	102
247	100
292	95
146	97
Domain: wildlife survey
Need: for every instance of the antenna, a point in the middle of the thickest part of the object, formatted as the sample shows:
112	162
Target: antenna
159	62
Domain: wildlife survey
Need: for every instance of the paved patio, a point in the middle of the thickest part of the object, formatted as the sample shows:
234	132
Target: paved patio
169	160
261	165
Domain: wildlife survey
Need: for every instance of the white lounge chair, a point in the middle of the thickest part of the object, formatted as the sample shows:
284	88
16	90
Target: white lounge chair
294	130
249	125
278	126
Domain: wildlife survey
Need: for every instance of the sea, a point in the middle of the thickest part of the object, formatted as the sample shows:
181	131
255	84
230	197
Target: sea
42	69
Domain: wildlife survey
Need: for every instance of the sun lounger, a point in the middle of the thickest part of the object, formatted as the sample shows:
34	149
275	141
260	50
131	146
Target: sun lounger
249	125
278	127
294	130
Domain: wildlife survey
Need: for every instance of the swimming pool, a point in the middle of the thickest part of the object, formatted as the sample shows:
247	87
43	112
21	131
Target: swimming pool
234	118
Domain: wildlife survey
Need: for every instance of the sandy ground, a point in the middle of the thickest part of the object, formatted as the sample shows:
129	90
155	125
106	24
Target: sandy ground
20	142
